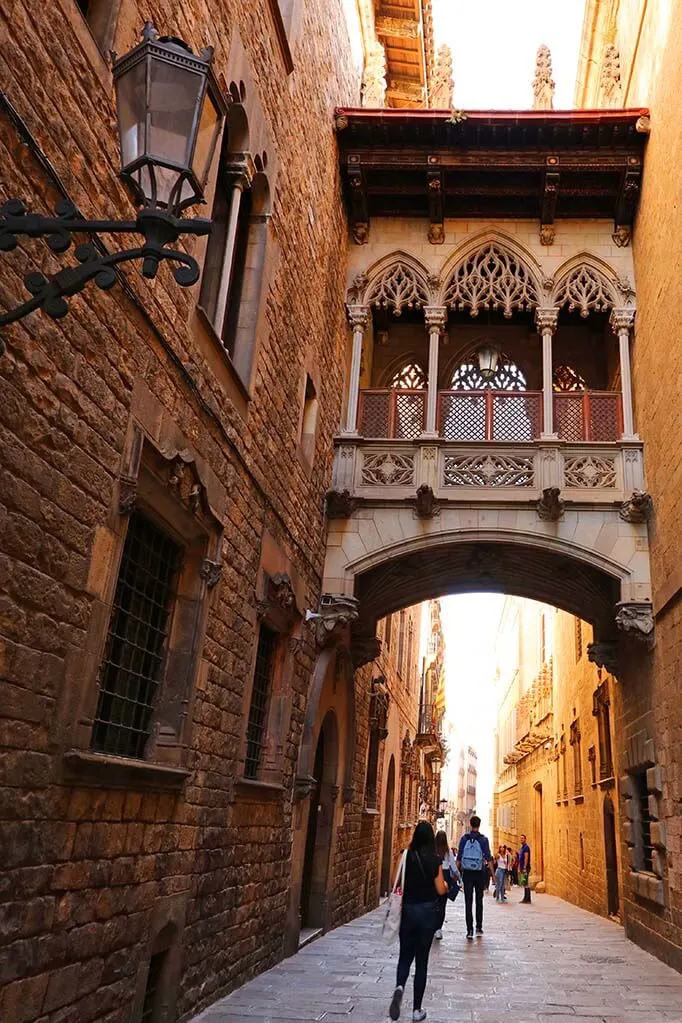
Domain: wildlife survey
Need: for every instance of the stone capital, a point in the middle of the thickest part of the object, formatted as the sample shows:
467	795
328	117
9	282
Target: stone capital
546	319
621	320
636	618
435	318
358	317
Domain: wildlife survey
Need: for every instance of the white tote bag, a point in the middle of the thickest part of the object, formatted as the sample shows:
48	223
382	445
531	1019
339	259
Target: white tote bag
394	906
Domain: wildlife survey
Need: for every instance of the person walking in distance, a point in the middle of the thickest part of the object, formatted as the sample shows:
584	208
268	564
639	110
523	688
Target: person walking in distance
524	868
500	874
473	860
451	876
423	884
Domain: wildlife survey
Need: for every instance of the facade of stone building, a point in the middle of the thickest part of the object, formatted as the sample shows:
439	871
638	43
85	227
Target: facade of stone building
554	756
631	54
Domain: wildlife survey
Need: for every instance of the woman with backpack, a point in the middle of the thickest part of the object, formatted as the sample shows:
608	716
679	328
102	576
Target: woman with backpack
423	884
451	876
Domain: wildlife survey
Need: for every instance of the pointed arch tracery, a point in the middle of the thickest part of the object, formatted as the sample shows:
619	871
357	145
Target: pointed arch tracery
585	289
409	376
492	277
398	286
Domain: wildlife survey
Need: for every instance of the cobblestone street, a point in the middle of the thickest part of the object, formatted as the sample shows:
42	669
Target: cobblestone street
547	963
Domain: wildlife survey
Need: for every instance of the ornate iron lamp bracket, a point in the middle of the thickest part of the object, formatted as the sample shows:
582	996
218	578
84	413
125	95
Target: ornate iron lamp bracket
158	228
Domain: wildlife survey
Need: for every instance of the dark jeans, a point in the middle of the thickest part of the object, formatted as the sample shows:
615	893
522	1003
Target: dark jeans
417	924
440	912
474	881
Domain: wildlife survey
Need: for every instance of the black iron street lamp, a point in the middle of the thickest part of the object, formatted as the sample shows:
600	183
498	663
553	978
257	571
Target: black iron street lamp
170	112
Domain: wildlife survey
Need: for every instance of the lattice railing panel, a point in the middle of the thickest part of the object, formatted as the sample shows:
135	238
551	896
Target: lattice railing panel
488	470
462	415
517	416
410	412
568	416
374	414
605	416
388	469
590	471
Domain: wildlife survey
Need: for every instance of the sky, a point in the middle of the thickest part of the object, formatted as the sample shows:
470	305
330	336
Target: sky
494	43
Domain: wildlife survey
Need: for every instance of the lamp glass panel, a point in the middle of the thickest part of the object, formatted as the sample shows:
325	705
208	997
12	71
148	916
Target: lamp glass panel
208	125
132	108
174	94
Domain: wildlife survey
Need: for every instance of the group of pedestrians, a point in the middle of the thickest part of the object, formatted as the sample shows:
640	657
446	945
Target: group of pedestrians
512	868
432	874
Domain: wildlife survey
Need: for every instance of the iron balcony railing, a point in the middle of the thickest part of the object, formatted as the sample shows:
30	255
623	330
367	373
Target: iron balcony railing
490	415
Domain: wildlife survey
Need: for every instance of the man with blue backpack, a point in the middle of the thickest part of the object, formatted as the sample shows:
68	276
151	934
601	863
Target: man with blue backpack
473	861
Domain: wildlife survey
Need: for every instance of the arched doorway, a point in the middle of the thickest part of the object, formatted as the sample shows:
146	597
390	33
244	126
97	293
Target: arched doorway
537	852
320	827
611	856
387	850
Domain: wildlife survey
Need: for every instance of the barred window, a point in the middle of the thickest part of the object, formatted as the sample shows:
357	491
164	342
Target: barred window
135	652
260	700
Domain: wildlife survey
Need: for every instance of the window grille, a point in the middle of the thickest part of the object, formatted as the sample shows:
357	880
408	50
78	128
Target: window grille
260	699
565	378
130	674
153	980
410	377
507	377
643	817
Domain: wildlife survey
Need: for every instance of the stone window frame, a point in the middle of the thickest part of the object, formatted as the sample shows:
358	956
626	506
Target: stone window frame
601	703
378	733
163	477
96	47
639	761
575	741
309	418
276	609
101	21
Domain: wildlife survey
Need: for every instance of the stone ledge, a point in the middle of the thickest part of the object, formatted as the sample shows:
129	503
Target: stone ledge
648	886
99	769
250	790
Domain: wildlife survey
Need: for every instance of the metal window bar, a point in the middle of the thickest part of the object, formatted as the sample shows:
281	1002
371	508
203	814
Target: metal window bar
130	673
260	699
152	986
645	820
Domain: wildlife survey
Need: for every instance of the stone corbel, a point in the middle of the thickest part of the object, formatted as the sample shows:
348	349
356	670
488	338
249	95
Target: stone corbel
550	507
364	650
637	508
211	572
604	655
127	495
425	503
636	618
336	615
340	504
279	601
303	786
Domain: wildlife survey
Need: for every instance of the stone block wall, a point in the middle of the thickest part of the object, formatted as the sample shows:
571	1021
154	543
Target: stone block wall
96	873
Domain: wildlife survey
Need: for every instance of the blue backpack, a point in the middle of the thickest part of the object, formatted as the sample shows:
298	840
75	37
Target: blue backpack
472	855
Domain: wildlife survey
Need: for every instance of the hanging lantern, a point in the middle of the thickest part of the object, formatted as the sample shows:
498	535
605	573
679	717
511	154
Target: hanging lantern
488	356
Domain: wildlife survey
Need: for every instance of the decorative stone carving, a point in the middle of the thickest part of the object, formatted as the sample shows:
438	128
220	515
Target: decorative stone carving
340	504
336	615
127	495
550	506
426	505
546	320
364	650
398	288
636	618
436	234
643	124
399	28
621	320
436	319
610	93
637	508
491	278
374	78
340	122
547	234
388	469
586	290
604	655
378	709
493	470
182	477
360	232
356	291
442	83
543	84
590	471
211	572
303	786
622	236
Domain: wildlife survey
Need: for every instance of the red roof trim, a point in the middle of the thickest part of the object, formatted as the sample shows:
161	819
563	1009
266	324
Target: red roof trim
549	116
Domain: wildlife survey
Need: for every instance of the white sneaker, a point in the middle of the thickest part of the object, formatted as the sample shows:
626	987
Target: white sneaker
438	935
418	1014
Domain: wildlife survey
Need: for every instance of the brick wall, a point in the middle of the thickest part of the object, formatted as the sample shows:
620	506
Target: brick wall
91	874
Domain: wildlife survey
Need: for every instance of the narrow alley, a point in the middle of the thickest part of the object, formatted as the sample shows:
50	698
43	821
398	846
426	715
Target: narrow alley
547	963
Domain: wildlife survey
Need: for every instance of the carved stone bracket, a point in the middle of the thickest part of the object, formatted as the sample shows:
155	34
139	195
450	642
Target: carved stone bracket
127	495
425	503
550	506
278	602
211	572
378	708
340	504
604	655
364	650
336	615
637	508
303	786
636	618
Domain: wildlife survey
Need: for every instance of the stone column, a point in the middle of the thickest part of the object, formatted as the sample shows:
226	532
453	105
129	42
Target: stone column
242	175
358	316
546	321
621	322
436	318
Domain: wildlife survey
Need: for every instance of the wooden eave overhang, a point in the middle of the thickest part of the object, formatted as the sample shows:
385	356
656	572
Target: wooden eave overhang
405	29
543	165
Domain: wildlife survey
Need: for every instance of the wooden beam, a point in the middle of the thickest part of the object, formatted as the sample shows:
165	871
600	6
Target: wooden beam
399	28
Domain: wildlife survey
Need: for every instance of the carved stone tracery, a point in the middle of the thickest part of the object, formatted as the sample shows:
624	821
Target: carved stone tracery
543	83
442	83
491	278
374	78
586	290
398	288
610	93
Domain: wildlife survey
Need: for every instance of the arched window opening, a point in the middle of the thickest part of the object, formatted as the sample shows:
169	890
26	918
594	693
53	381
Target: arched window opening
507	377
410	377
568	379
